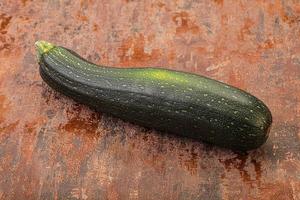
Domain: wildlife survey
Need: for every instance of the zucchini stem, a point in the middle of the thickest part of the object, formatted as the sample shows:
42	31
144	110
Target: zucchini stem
43	47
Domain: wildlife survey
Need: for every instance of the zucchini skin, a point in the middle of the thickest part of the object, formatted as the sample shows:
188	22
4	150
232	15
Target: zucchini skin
181	103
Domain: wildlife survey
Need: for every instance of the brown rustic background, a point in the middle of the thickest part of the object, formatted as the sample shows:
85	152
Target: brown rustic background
54	148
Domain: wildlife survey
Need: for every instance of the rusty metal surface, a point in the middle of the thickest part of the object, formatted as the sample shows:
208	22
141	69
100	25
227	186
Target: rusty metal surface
54	148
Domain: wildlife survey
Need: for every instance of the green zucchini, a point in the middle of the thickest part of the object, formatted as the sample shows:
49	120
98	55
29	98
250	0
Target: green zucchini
181	103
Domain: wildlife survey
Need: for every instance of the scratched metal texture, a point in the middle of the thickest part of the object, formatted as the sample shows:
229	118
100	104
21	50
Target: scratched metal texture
54	148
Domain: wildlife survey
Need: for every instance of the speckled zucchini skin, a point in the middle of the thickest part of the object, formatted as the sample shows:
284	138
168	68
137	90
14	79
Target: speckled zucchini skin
181	103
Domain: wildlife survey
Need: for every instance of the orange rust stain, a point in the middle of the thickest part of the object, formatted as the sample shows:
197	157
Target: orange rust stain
30	127
95	27
82	3
4	22
268	44
8	129
239	163
24	2
290	19
132	51
279	9
5	46
81	17
257	168
190	161
184	24
85	3
219	2
246	29
78	122
160	4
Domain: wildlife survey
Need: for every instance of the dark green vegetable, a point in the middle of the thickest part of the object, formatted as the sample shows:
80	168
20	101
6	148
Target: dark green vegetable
181	103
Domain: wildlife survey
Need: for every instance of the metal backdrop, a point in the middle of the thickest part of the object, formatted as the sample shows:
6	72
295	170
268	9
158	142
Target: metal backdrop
54	148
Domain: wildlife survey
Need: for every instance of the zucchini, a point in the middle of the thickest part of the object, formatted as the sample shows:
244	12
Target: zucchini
181	103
